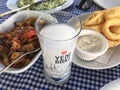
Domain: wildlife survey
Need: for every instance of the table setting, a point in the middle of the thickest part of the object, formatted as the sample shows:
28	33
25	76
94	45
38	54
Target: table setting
68	70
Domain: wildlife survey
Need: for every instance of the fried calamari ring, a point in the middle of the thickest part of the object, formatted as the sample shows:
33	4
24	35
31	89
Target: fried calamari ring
95	18
106	28
111	13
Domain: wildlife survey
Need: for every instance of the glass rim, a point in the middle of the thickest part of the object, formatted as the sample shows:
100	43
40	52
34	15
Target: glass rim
77	32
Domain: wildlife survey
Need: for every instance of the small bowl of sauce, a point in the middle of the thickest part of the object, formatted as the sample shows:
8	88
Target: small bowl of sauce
90	45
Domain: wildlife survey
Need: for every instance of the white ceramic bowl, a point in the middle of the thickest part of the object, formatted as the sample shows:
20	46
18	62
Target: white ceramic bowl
87	55
9	24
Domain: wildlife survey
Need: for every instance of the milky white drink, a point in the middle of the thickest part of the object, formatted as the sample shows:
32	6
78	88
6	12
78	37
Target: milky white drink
58	42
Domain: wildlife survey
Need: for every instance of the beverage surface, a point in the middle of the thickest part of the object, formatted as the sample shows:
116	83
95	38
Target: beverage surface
58	32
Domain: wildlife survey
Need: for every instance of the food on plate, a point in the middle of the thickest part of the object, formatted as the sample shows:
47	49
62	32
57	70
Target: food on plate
113	22
18	40
90	43
44	5
112	13
113	43
107	23
94	19
22	3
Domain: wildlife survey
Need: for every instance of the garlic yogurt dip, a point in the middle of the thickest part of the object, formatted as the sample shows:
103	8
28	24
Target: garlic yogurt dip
90	43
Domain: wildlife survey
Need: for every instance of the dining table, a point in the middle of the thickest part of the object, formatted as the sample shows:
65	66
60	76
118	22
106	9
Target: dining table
81	78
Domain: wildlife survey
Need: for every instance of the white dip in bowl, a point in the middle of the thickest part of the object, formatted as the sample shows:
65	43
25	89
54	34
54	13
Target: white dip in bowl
90	45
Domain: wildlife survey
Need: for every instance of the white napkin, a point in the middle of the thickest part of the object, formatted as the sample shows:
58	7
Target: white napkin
104	59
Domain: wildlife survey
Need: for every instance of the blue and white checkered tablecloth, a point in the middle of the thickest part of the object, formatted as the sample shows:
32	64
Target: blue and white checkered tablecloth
81	78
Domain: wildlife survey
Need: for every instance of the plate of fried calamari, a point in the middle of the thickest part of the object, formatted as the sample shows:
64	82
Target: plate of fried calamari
18	36
107	23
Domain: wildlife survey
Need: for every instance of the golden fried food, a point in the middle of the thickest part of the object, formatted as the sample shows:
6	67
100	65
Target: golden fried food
107	23
113	43
111	13
106	28
94	19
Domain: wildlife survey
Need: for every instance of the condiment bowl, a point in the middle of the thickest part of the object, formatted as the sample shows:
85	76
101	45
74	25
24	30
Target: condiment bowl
97	48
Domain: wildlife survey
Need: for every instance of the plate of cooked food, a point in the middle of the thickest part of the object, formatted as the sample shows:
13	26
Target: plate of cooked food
18	36
105	22
107	3
46	6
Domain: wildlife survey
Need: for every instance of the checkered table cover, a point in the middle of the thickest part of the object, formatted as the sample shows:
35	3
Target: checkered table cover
81	78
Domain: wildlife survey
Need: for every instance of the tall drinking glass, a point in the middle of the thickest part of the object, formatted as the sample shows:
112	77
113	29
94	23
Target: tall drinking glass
58	39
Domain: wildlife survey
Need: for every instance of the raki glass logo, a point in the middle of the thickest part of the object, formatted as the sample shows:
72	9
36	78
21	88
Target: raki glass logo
64	57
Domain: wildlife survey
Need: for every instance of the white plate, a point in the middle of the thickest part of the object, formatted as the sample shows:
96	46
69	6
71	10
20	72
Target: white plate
114	60
114	85
11	4
9	24
107	3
